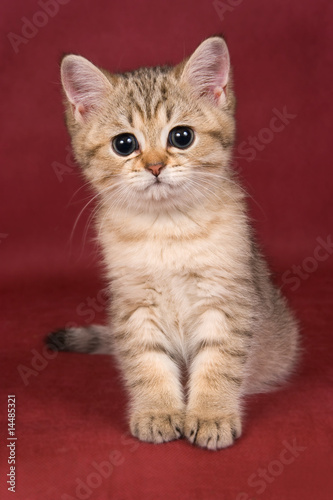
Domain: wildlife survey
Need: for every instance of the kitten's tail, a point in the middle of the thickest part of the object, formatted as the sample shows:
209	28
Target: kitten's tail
92	339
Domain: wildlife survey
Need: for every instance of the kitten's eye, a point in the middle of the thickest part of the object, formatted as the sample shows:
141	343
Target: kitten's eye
181	137
125	144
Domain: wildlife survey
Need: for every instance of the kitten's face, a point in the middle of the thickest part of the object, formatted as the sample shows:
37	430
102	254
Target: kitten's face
154	138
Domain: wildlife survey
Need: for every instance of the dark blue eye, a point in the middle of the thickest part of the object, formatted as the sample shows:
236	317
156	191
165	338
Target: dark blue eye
125	144
181	137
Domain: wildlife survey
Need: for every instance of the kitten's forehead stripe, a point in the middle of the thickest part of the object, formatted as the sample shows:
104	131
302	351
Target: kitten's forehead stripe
130	118
168	113
157	107
163	90
148	110
146	91
138	108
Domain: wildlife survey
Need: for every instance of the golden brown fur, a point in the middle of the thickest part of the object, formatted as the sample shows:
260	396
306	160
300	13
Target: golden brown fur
190	291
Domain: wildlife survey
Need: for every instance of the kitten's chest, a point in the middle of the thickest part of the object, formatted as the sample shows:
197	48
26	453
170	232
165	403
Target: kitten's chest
166	247
174	277
173	266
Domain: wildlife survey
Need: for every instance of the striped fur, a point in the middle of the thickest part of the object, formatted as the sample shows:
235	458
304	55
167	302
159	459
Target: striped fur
190	291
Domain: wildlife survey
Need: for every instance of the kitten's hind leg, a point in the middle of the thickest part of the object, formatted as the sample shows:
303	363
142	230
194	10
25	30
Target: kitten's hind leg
92	339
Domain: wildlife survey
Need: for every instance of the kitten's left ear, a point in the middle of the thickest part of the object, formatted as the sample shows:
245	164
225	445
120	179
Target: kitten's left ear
207	70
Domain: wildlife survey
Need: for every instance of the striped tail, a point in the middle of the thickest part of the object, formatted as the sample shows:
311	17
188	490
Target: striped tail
92	339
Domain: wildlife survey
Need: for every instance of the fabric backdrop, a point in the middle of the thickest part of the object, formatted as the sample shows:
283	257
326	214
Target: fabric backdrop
71	428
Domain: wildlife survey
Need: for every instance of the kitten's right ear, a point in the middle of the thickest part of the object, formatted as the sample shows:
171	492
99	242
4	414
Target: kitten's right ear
85	86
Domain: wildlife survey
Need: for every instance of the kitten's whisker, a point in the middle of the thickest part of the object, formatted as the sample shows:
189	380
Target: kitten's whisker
83	209
245	193
85	185
117	202
201	185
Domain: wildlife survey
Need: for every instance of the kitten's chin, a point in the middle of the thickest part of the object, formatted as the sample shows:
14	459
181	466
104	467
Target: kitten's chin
159	190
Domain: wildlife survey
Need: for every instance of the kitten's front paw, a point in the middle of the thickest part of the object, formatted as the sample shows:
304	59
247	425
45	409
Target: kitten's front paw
157	427
212	431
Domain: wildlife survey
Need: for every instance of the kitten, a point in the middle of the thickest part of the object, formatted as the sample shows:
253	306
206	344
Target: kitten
189	286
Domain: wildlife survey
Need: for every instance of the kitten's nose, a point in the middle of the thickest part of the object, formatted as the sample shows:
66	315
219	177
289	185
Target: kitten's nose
155	168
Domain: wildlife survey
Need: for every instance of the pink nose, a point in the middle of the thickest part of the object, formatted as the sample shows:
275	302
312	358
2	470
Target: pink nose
155	168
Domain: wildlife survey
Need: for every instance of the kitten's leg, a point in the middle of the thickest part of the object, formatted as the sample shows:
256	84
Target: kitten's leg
92	339
217	370
152	377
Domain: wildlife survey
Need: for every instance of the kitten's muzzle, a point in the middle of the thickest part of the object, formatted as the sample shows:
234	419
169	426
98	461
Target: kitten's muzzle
155	168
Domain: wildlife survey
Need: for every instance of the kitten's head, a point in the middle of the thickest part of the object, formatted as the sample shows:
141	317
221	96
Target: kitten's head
154	138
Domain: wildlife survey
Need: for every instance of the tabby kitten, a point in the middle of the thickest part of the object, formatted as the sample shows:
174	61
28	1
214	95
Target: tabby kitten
190	291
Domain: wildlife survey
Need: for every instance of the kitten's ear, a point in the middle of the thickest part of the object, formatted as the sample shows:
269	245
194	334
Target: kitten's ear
207	70
85	86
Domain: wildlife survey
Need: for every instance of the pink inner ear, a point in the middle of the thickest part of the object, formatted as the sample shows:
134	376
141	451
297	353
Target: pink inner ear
217	91
220	76
82	109
85	85
207	70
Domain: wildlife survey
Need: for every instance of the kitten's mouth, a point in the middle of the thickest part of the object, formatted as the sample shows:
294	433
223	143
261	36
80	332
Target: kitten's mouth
158	189
156	182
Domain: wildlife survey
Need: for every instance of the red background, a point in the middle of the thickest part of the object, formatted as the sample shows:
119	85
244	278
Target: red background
71	409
